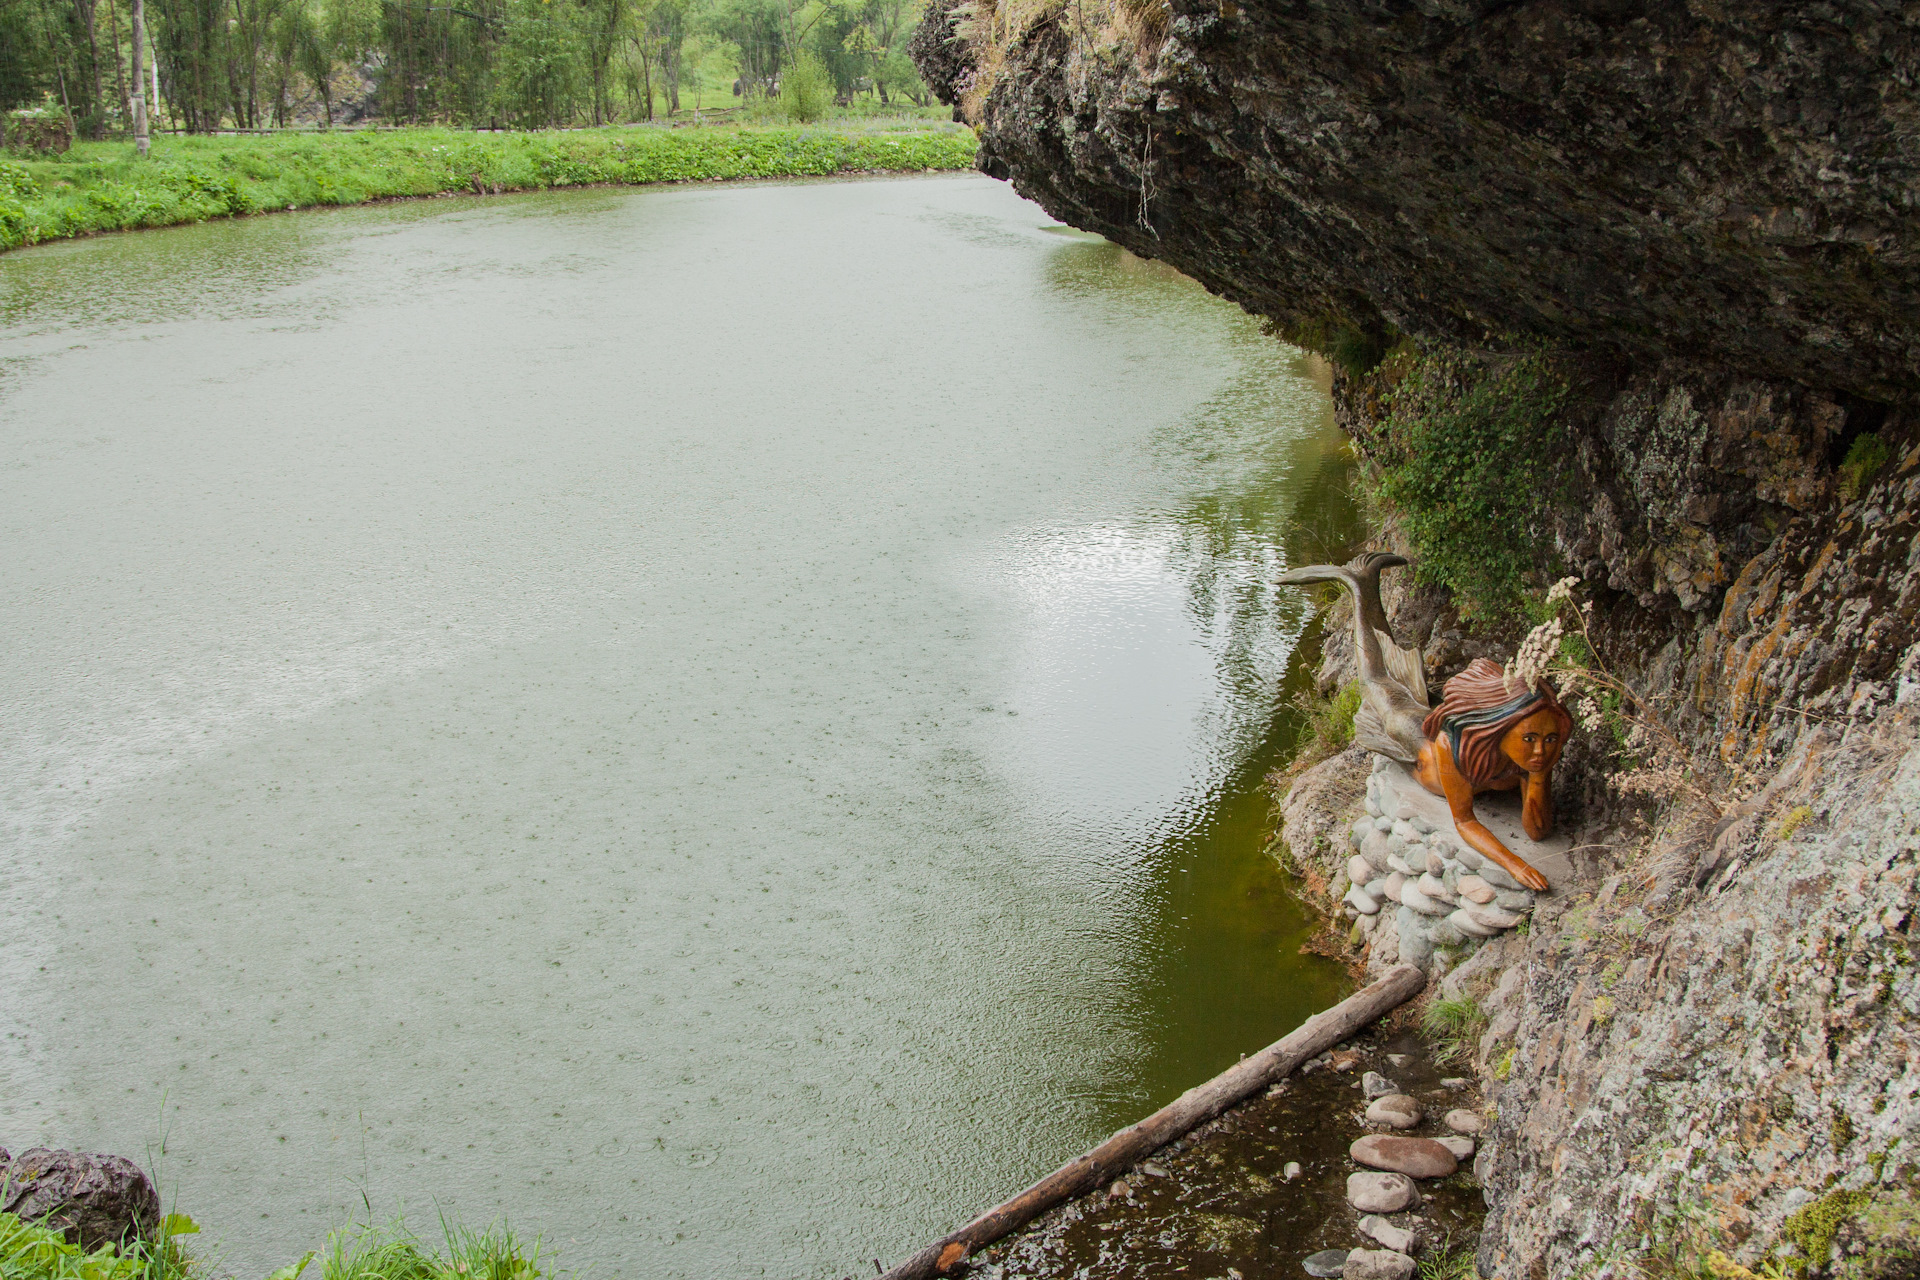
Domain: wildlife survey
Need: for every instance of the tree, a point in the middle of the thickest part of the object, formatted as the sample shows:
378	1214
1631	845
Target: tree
140	139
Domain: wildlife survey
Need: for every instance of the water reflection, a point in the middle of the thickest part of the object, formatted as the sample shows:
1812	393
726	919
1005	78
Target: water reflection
717	722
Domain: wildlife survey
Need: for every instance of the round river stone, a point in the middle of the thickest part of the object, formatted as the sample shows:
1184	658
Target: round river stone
1395	1110
1378	1264
1461	1120
1326	1263
1415	1157
1380	1192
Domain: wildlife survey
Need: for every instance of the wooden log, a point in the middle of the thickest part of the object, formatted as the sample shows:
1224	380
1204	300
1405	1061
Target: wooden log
1181	1116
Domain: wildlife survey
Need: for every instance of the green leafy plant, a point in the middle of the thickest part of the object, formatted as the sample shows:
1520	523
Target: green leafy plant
1356	350
1865	456
806	90
1328	727
1472	457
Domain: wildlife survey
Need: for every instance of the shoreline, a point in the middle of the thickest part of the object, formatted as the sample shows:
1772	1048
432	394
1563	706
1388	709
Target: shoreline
99	188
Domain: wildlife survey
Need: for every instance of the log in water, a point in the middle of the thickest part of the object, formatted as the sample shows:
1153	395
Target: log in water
1181	1116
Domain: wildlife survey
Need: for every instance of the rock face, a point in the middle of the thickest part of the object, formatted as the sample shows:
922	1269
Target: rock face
94	1199
1731	182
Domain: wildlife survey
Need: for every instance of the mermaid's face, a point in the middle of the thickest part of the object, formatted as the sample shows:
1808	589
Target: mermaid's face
1534	742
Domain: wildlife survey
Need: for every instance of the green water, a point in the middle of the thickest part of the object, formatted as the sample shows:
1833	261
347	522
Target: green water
721	723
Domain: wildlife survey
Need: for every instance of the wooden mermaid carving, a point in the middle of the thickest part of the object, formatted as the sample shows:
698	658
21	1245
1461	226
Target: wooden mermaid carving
1489	733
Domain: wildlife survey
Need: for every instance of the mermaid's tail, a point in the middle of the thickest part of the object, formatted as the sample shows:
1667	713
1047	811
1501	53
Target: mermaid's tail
1393	680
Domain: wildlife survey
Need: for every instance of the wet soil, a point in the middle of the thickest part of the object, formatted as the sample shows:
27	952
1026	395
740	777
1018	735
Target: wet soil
1218	1203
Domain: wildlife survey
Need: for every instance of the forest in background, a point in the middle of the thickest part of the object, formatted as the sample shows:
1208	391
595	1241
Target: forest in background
515	64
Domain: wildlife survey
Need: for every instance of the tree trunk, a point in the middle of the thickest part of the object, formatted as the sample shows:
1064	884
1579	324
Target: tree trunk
140	140
1181	1116
119	74
88	10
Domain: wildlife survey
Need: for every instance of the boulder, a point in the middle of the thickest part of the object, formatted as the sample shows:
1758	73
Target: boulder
1381	1192
1415	1157
93	1199
1461	1120
1378	1264
1395	1110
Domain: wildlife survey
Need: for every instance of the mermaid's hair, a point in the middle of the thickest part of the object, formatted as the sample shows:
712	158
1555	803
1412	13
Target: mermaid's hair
1477	708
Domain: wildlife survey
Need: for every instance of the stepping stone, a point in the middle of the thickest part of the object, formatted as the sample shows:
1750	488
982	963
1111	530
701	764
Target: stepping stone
1398	1239
1378	1264
1415	1157
1462	1148
1375	1085
1326	1263
1395	1110
1381	1192
1461	1120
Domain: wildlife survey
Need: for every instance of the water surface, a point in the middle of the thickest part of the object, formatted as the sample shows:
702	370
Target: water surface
721	723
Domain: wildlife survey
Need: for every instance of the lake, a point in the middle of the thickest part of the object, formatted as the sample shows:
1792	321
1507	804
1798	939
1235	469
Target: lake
720	723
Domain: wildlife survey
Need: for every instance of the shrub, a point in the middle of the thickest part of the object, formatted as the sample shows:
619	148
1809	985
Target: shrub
806	90
1473	457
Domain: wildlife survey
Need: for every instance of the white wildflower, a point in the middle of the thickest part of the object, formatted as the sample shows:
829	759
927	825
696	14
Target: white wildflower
1562	590
1529	666
1592	719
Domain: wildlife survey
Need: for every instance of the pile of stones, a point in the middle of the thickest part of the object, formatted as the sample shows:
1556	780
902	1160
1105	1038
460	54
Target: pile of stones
1411	878
1385	1189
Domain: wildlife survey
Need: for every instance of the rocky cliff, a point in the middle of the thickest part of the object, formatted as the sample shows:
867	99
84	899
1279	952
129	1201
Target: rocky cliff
1703	217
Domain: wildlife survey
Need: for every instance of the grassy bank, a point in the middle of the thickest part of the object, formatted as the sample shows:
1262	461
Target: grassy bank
103	187
359	1251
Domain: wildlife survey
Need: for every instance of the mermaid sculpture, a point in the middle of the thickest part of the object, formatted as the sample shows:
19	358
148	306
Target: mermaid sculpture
1489	733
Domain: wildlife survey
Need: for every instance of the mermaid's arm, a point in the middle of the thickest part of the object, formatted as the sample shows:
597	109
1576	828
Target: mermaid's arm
1536	805
1459	793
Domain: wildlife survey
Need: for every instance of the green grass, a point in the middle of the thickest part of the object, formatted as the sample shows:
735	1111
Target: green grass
30	1251
359	1251
100	187
1328	727
1454	1026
